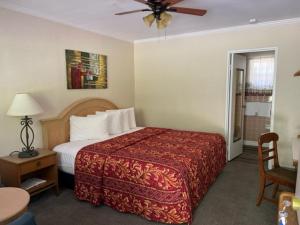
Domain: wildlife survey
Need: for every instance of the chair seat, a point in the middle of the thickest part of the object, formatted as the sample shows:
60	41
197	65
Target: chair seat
26	219
285	175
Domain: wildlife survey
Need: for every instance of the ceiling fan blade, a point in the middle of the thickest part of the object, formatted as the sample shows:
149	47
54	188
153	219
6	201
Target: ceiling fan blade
133	11
171	2
196	12
141	1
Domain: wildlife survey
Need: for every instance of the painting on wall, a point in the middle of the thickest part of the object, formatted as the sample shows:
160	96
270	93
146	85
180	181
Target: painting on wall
86	70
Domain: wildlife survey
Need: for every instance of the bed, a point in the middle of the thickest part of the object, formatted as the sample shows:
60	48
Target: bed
160	174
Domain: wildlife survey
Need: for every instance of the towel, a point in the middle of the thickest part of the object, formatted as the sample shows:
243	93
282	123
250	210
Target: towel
262	109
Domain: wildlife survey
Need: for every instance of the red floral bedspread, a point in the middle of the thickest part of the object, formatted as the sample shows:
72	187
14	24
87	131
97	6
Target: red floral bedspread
161	174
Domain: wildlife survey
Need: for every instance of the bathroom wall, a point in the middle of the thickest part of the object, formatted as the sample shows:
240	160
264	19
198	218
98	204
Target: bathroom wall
258	108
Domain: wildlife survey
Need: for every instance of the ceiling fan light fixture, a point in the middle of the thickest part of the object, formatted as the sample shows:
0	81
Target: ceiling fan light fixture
160	24
166	17
148	20
164	21
159	9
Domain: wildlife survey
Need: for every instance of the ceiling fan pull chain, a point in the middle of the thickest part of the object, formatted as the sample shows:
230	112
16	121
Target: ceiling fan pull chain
165	34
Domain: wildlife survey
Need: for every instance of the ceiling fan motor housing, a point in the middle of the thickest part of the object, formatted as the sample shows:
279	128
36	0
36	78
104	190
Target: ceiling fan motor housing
157	7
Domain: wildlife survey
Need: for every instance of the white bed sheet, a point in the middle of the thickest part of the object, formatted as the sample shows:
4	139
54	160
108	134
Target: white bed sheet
67	152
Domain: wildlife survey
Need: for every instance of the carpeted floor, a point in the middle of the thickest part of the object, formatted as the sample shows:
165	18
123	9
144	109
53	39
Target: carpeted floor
249	155
230	201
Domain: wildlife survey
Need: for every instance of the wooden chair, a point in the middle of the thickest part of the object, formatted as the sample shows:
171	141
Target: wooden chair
277	175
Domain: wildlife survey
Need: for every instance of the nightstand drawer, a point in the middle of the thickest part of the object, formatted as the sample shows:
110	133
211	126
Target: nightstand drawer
37	164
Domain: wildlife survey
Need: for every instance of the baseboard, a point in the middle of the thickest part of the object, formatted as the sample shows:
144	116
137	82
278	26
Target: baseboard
254	143
250	143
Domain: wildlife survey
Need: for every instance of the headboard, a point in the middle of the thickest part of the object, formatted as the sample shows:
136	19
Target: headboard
57	130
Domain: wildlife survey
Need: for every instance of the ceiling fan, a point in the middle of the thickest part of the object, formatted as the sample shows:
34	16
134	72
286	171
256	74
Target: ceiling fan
159	10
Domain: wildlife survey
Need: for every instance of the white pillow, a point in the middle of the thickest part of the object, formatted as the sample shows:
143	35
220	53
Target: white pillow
125	118
132	123
86	128
114	121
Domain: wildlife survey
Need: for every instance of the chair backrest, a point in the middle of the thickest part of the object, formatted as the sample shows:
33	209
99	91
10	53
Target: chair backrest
264	153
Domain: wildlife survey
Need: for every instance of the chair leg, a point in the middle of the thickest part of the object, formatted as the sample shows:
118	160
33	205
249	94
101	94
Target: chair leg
275	190
260	196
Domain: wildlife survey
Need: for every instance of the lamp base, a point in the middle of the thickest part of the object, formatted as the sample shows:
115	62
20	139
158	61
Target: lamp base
28	154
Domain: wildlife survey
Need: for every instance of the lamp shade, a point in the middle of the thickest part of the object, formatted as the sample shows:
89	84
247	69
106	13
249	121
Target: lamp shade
24	105
148	20
164	21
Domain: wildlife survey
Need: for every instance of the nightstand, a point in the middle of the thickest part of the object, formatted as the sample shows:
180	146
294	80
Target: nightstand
14	171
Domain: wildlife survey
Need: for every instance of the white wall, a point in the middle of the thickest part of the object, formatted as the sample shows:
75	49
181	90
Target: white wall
32	59
181	82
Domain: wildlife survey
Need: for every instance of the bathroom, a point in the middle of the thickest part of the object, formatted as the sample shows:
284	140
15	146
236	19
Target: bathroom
258	97
250	98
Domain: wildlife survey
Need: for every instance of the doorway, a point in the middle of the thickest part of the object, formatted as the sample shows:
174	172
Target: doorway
250	98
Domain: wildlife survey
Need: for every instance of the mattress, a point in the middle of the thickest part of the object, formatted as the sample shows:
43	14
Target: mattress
67	152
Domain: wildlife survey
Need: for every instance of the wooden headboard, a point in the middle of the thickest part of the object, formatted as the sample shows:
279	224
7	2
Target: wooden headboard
57	130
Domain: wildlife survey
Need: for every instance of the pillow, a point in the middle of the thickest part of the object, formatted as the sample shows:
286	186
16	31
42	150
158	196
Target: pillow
114	118
132	123
125	118
86	128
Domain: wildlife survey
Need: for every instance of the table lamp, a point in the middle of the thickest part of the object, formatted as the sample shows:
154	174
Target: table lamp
24	105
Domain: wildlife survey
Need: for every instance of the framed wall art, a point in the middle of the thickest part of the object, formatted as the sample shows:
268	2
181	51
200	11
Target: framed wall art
86	70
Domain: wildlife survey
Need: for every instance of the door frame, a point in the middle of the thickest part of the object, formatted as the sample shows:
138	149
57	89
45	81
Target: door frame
228	89
238	63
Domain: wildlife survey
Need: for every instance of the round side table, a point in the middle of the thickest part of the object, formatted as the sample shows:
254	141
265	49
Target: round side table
13	203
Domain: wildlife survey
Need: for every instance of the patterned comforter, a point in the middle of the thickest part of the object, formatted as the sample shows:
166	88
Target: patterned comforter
161	174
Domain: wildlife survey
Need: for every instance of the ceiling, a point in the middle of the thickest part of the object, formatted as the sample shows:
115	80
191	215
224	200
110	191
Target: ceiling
98	15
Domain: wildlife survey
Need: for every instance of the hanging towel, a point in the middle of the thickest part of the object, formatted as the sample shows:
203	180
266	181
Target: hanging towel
258	109
251	109
264	109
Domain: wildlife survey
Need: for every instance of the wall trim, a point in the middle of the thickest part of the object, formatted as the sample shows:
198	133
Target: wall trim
222	30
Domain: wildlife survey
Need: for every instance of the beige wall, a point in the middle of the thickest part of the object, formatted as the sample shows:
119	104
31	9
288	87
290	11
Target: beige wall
181	83
32	59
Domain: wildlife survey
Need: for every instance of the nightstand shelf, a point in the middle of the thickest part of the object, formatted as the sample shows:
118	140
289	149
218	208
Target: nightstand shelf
41	187
14	171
